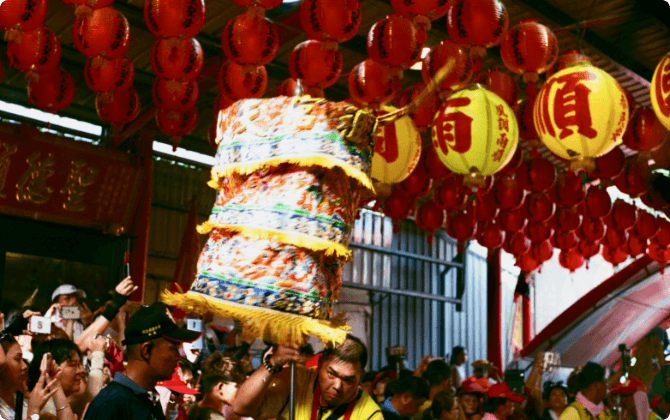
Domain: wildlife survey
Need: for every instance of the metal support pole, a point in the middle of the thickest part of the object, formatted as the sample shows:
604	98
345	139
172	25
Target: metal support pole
494	311
291	406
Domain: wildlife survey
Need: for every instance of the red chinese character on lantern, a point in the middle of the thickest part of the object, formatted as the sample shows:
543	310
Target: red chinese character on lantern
662	87
387	143
454	130
497	155
502	140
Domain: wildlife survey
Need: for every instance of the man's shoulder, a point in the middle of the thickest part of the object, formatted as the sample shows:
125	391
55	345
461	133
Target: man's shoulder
111	398
367	408
572	411
204	413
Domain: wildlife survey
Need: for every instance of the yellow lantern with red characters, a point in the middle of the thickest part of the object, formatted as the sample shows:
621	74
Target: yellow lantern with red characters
581	113
475	133
660	91
397	150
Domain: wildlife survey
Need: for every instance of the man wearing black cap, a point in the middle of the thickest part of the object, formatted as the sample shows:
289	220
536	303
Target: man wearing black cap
153	341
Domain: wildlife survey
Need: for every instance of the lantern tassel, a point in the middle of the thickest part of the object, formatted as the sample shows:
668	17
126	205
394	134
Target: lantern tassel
14	34
83	11
99	62
32	76
175	140
423	21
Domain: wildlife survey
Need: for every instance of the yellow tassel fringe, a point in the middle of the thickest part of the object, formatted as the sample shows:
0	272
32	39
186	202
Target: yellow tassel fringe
323	161
266	324
295	239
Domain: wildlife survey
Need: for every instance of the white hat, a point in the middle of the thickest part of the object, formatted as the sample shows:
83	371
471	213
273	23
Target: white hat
67	289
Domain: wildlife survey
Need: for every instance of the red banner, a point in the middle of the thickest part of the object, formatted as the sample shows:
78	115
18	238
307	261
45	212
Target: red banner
52	178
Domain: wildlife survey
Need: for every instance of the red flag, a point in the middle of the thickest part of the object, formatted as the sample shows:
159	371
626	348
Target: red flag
187	261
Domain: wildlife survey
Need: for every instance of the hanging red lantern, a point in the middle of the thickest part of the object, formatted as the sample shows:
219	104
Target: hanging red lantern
314	64
564	241
394	41
539	207
288	88
509	194
417	184
566	220
461	226
18	16
662	237
236	83
120	108
610	165
460	74
106	33
432	9
591	230
615	238
478	24
660	254
536	175
250	40
538	231
516	243
524	116
513	164
598	202
451	195
53	91
529	49
568	59
624	215
645	132
331	20
542	251
571	259
37	51
398	206
661	155
502	84
485	206
175	96
646	225
220	103
527	263
512	220
262	4
371	83
429	217
115	74
654	199
636	246
569	190
589	249
614	256
424	113
434	165
174	18
490	235
177	61
176	124
634	180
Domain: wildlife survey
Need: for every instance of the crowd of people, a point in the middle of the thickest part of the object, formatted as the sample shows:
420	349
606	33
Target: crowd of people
105	365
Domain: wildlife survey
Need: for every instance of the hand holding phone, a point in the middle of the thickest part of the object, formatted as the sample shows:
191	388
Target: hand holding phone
45	365
40	325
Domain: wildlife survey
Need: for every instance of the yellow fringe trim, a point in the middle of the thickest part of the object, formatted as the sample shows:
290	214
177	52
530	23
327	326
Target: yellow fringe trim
295	239
323	161
267	324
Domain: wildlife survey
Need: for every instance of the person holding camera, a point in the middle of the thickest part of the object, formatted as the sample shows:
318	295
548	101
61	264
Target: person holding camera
66	311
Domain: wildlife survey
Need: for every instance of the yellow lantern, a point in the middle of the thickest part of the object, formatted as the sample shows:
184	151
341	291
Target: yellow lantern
581	113
660	91
397	151
475	133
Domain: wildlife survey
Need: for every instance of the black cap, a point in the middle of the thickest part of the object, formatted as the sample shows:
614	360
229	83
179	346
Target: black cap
150	323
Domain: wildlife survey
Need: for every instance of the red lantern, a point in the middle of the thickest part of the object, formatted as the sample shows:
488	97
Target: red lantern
564	241
589	249
569	190
485	207
524	117
646	226
461	226
490	235
614	256
417	184
478	24
105	33
571	259
538	231
539	207
236	83
598	202
288	88
115	74
423	115
529	48
175	96
53	91
591	230
660	254
526	262
508	193
120	109
434	165
394	42
566	220
661	155
615	238
451	195
513	164
314	64
512	220
645	131
502	84
220	103
461	73
371	83
37	51
432	9
429	217
654	199
634	180
250	40
516	243
663	235
18	16
174	18
636	246
624	215
570	58
263	4
536	175
181	60
331	20
398	206
542	251
610	165
176	124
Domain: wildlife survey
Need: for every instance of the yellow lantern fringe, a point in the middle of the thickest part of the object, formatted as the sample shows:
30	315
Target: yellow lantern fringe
327	162
266	324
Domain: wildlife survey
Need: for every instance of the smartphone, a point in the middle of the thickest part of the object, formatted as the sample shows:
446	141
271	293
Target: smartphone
46	362
400	351
194	324
126	266
551	361
70	312
40	324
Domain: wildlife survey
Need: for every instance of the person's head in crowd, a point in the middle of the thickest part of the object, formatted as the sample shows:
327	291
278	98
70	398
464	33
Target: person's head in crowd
67	295
341	370
458	356
153	341
573	382
555	396
14	373
444	407
592	382
470	395
242	354
106	373
366	382
219	382
67	356
500	401
188	374
438	376
380	382
481	368
176	392
626	392
409	395
56	332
